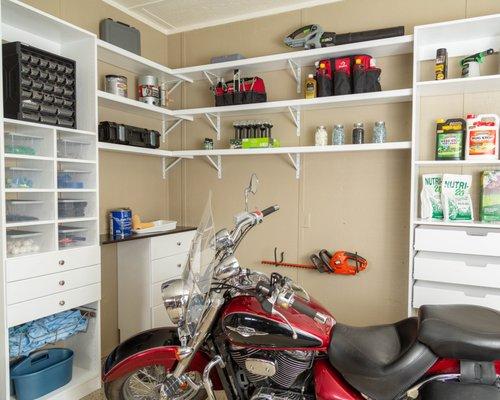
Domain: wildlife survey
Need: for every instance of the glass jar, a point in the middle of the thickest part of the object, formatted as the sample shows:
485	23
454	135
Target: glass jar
379	132
338	135
358	133
321	136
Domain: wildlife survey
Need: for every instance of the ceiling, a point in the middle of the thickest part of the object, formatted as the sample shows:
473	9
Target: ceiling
173	16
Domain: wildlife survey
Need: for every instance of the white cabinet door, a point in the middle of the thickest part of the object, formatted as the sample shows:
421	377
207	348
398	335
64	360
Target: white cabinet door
167	268
168	245
54	283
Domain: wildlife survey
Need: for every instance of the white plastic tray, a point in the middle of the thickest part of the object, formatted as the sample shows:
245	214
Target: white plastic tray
160	226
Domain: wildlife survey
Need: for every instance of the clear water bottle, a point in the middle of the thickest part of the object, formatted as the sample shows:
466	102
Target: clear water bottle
338	135
379	132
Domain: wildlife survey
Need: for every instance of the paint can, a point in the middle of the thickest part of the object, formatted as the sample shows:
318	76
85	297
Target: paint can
116	84
148	90
120	223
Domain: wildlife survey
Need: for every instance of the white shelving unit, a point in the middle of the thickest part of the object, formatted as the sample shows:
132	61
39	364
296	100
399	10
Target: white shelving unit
35	208
439	248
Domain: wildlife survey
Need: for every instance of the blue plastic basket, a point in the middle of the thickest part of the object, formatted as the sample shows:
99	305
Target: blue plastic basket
41	373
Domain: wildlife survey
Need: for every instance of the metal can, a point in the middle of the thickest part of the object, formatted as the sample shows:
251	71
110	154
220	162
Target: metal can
116	84
148	90
120	223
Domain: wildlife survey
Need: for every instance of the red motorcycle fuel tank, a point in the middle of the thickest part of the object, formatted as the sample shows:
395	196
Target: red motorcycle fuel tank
245	323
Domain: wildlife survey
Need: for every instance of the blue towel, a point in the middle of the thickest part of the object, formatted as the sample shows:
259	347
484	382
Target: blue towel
25	338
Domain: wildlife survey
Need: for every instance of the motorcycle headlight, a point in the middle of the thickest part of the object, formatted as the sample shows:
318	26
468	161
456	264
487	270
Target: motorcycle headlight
174	298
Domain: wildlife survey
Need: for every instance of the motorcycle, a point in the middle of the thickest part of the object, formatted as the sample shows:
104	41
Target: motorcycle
259	337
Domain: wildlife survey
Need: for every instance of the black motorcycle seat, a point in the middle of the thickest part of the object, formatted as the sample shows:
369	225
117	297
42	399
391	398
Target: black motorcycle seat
381	362
462	332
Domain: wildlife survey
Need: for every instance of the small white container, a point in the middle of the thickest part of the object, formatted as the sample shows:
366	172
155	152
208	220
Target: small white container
159	226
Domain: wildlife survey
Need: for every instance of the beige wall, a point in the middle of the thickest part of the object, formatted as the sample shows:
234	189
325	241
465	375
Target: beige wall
342	201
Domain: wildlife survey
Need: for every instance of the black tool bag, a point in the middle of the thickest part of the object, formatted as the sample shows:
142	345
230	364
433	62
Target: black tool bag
248	90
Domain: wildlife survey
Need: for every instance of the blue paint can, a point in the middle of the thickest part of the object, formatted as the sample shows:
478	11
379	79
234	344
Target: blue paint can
120	223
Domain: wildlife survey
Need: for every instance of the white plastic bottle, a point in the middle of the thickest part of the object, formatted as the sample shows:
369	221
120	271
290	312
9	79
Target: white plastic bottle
482	141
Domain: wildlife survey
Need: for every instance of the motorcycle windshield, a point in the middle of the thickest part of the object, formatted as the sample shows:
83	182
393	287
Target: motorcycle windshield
199	270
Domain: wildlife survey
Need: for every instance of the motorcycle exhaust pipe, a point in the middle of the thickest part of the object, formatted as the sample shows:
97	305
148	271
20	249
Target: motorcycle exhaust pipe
207	383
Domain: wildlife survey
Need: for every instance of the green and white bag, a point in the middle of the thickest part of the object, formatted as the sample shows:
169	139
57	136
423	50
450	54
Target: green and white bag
430	197
456	198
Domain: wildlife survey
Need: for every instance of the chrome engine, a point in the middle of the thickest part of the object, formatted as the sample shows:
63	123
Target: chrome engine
279	367
273	394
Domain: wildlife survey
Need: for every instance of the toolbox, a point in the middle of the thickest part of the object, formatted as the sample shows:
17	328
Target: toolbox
240	91
120	34
38	86
111	132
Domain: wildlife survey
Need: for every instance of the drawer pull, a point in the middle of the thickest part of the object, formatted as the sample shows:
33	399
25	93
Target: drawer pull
179	265
62	283
61	262
179	243
62	302
476	233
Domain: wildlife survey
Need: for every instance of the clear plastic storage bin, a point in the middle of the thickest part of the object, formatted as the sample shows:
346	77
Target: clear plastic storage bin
76	176
22	177
75	148
73	236
23	143
23	242
72	208
18	211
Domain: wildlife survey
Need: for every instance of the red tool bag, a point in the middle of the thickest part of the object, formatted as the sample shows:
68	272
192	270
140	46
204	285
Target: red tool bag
249	90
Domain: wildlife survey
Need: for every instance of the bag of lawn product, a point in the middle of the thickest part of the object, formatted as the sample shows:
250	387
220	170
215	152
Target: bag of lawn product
456	198
490	198
430	197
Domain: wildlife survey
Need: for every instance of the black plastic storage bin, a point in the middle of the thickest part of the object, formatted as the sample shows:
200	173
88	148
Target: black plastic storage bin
42	372
38	86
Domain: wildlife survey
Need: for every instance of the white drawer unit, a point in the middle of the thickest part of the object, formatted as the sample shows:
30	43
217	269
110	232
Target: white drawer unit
44	306
45	285
168	245
167	268
160	317
478	241
143	266
457	269
50	263
443	293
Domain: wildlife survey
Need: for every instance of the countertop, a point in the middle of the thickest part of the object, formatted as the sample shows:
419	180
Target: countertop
107	239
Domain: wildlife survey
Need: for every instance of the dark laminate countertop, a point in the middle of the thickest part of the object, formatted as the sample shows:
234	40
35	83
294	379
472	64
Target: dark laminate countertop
107	239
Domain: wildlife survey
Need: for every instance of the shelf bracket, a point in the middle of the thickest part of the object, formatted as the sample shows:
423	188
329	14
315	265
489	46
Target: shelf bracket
297	74
295	113
175	86
210	77
216	164
295	159
165	168
214	120
166	130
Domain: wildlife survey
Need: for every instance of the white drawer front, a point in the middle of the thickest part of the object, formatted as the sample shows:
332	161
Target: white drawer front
445	239
44	306
443	293
50	284
168	245
160	317
458	269
50	263
156	299
168	267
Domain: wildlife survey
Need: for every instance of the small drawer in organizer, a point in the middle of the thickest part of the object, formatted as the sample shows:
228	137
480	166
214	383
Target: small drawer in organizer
76	234
34	240
76	176
28	174
78	147
71	208
25	209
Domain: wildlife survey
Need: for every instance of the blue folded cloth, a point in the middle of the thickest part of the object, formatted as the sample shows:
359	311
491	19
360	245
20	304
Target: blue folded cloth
25	338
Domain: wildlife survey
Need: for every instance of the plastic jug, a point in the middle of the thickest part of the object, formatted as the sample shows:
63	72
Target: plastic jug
482	137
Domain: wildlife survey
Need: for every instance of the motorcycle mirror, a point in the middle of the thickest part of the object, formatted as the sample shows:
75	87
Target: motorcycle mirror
251	189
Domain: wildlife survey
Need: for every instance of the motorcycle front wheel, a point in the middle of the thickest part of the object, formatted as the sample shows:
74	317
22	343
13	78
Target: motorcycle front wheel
149	383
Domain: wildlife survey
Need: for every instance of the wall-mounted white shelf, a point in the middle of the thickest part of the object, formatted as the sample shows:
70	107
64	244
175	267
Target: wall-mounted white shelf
132	62
454	163
301	58
132	106
121	148
472	224
477	84
214	157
